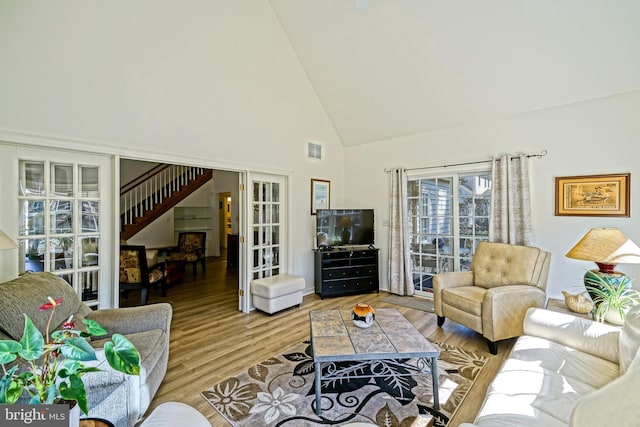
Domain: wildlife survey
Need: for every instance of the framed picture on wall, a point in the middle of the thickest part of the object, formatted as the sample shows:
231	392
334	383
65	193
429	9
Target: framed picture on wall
320	194
593	195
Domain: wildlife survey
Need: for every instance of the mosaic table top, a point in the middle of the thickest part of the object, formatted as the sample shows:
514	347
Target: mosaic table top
335	337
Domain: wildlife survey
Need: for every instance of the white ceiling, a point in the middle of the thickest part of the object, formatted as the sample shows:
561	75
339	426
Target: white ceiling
389	68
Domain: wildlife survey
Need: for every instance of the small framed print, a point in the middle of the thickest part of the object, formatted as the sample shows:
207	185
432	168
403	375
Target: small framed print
320	194
593	195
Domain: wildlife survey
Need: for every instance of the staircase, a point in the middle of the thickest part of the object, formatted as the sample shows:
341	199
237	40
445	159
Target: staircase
156	192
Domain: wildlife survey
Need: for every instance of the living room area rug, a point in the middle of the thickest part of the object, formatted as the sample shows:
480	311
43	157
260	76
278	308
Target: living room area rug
280	391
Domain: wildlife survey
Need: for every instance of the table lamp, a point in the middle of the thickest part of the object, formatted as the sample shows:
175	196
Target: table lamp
607	247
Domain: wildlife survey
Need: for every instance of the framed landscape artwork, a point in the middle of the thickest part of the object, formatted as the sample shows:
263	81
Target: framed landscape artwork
320	194
593	195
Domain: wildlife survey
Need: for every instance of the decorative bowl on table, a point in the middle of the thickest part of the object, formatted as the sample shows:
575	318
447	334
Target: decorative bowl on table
363	315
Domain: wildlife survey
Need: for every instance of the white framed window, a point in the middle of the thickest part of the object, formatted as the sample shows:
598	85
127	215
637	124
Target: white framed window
448	215
59	223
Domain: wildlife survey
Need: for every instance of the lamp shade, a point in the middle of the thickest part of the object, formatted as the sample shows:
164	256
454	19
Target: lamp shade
606	246
6	242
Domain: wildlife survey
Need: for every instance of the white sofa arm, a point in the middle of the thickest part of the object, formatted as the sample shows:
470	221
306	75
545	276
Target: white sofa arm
615	404
582	334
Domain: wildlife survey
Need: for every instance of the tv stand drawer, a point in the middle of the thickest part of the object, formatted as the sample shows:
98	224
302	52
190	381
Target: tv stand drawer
349	272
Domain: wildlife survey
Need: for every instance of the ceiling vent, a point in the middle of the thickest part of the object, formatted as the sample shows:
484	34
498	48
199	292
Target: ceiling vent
314	150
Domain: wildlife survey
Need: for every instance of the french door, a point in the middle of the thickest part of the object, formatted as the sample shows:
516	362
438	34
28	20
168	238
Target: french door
267	224
64	223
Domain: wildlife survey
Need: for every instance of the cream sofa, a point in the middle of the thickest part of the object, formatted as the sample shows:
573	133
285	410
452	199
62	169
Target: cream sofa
567	371
119	398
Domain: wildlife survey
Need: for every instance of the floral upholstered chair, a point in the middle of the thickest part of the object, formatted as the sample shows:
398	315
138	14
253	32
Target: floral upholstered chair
191	249
135	272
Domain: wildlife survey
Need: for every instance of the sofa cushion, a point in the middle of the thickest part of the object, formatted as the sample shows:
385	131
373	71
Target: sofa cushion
150	345
541	382
466	298
27	293
499	264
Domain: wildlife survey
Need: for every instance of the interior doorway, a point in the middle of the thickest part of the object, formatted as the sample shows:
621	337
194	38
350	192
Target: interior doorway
222	200
225	216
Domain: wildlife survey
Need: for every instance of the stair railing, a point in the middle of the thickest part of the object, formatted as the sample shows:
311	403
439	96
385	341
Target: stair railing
152	188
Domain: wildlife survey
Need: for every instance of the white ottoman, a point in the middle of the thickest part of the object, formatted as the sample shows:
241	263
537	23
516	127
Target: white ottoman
275	293
171	414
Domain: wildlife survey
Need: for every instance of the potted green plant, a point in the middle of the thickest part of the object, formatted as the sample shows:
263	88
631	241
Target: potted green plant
612	298
49	370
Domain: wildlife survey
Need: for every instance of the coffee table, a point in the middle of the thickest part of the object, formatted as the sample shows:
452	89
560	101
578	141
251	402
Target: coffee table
334	338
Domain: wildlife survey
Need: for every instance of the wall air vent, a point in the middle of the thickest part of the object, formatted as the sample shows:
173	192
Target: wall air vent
314	150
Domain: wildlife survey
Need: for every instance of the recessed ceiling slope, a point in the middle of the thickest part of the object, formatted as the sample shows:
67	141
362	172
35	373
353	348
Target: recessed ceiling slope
386	69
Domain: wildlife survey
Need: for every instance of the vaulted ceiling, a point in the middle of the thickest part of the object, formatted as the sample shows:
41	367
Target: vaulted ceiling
385	69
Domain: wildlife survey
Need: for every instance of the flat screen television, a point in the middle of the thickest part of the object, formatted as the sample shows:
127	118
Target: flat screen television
344	227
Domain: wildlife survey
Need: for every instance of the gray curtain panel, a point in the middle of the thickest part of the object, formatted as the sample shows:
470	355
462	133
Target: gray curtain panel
399	262
510	220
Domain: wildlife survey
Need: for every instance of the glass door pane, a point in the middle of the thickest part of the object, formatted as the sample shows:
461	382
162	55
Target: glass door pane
62	180
266	228
61	216
89	217
89	184
31	217
430	229
31	178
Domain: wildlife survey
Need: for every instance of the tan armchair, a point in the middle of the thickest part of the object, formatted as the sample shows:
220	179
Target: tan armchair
492	299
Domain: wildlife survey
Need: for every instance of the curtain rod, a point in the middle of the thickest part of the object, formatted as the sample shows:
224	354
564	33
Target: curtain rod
539	156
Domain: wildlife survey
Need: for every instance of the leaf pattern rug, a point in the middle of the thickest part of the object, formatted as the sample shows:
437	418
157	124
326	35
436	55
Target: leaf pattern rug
280	391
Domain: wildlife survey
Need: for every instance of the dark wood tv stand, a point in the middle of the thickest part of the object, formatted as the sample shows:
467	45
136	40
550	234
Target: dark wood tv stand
341	272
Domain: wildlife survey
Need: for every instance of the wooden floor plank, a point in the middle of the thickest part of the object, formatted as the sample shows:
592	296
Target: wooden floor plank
211	340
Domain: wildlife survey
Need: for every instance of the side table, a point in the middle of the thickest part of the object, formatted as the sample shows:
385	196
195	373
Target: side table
559	305
95	422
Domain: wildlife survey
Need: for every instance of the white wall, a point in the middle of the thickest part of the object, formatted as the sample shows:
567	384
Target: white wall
133	169
9	210
597	137
152	80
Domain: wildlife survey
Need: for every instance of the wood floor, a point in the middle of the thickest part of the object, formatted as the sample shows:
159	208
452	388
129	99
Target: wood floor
211	340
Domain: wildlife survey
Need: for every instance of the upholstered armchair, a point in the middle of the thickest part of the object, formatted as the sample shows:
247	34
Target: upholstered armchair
191	249
492	299
112	395
140	271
